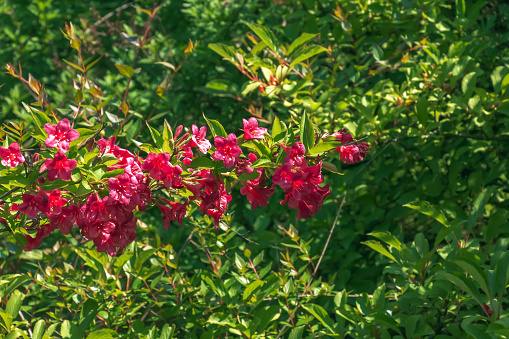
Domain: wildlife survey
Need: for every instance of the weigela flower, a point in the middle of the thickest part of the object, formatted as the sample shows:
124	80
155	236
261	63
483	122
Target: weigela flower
198	139
352	154
31	205
295	153
226	150
244	165
60	135
186	156
60	167
65	220
256	192
11	156
251	129
156	164
52	203
175	212
123	188
343	136
34	242
172	176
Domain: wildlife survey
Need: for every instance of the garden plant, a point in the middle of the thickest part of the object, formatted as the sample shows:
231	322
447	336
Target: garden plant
254	169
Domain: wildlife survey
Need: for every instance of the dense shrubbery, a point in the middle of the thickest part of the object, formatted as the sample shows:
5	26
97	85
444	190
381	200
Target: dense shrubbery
411	242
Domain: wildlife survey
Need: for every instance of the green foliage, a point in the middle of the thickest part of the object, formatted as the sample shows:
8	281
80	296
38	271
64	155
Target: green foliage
420	247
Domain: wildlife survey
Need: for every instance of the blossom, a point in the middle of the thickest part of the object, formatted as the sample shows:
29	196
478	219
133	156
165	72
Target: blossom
31	205
123	188
251	129
60	135
343	136
353	153
60	167
52	203
171	177
198	139
226	150
176	213
34	242
156	164
66	219
244	165
256	193
11	156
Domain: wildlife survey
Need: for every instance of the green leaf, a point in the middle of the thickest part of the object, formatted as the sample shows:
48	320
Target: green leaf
74	65
422	110
202	163
460	8
307	133
299	42
14	303
114	173
90	65
296	332
472	268
102	334
379	248
125	70
502	274
425	208
225	51
462	282
38	331
388	238
167	332
468	83
377	52
215	127
266	36
478	206
319	313
307	53
9	282
156	136
276	127
251	288
324	147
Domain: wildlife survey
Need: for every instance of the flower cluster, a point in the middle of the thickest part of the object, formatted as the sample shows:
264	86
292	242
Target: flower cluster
170	180
300	182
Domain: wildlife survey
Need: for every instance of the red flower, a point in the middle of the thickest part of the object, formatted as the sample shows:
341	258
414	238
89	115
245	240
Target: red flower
343	136
353	153
61	135
11	156
171	176
66	219
256	193
156	164
51	204
176	213
243	165
123	188
226	150
60	167
251	129
34	242
31	205
198	139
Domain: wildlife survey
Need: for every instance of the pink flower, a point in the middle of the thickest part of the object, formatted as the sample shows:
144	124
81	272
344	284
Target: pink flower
61	135
244	165
52	202
176	213
123	188
31	205
256	193
66	219
60	167
34	242
251	129
156	164
353	153
226	150
171	176
343	136
198	139
11	156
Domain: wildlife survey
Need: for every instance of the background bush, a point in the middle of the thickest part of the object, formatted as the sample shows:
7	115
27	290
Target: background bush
426	81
